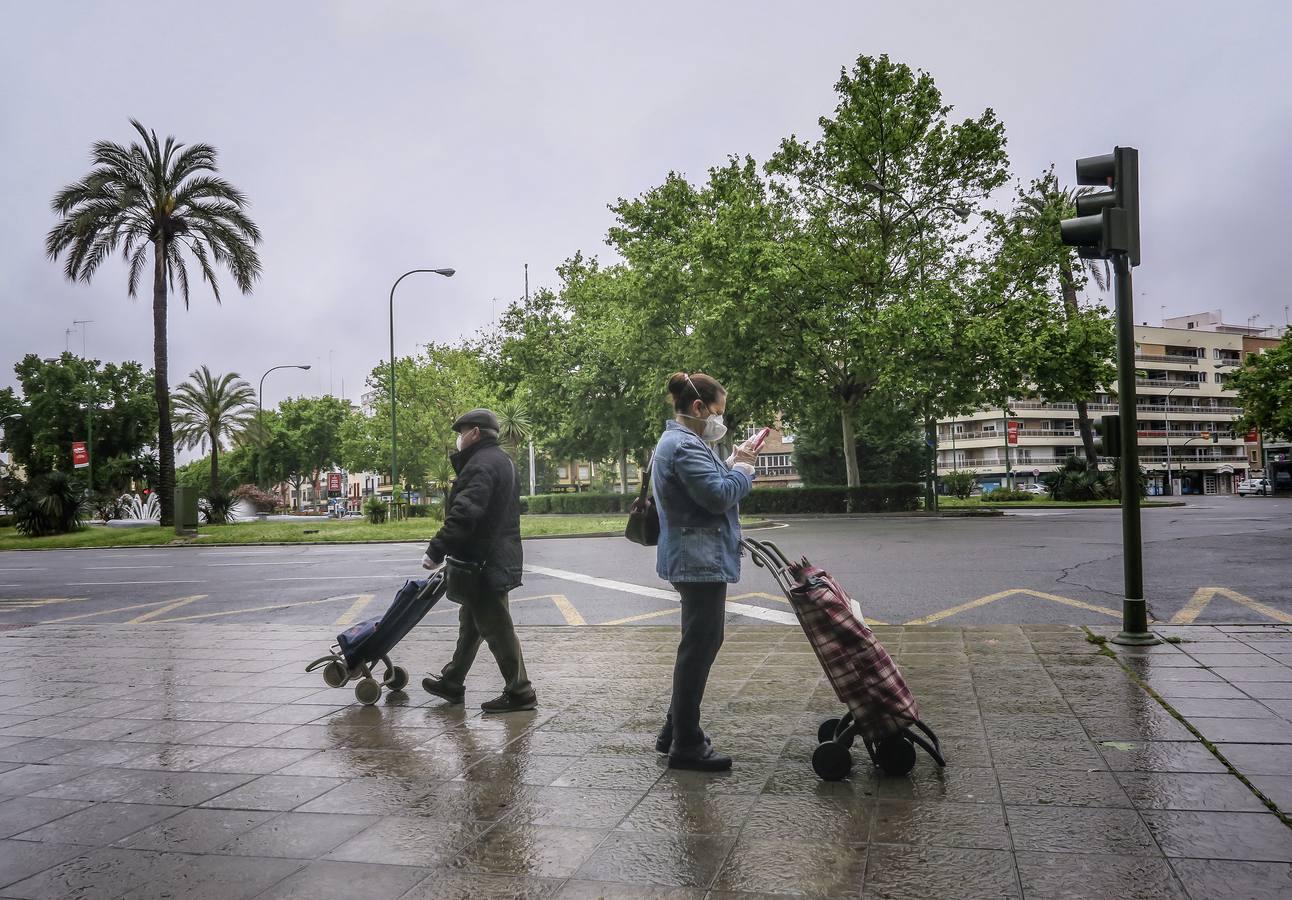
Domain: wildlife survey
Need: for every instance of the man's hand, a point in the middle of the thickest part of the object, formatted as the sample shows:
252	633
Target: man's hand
429	564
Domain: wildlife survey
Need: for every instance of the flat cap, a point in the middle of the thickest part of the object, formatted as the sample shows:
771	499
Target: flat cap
476	418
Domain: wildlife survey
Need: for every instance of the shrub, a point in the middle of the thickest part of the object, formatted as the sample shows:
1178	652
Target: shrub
50	504
6	521
900	496
375	509
217	509
959	484
107	506
425	511
1005	495
1077	480
262	500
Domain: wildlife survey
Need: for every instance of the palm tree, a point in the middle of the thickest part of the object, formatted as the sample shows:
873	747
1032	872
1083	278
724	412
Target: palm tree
149	194
1039	212
514	424
209	408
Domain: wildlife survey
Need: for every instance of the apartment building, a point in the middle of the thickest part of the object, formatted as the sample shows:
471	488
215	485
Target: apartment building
1182	402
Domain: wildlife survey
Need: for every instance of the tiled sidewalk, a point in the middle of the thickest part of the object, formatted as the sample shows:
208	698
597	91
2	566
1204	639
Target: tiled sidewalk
196	762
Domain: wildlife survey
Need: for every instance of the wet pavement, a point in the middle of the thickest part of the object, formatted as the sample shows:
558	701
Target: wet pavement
199	760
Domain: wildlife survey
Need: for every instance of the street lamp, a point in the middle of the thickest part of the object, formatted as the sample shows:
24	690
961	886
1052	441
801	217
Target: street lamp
961	212
447	273
260	423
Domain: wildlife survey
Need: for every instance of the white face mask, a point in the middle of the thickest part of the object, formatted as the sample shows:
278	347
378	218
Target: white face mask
461	435
714	430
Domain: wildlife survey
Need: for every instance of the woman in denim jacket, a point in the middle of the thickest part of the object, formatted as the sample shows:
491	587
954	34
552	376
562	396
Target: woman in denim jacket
698	497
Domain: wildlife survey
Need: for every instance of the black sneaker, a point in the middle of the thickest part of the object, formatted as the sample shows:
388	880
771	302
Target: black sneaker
664	742
701	759
506	703
445	690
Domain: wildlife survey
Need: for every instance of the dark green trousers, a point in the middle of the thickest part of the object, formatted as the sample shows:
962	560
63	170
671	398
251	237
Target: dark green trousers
487	619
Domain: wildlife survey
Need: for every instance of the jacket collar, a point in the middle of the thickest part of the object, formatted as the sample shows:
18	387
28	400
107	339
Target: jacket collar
461	458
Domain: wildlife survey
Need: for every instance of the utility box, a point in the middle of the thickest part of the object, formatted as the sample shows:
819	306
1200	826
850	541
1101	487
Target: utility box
185	509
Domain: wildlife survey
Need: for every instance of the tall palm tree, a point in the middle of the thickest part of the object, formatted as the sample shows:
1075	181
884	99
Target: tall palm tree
515	426
209	408
1039	212
158	196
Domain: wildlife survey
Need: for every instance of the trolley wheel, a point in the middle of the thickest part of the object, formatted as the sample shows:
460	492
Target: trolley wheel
335	674
396	679
895	755
832	761
825	732
367	691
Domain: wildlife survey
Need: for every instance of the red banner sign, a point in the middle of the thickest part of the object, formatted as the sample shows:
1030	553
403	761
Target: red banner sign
1011	429
1251	437
334	482
80	455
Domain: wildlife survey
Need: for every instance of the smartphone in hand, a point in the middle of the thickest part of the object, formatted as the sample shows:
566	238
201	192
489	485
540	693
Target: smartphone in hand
759	438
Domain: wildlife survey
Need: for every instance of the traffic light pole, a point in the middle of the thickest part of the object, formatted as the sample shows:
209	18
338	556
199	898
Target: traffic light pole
1134	608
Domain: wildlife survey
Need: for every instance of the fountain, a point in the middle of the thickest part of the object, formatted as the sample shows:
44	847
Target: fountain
137	510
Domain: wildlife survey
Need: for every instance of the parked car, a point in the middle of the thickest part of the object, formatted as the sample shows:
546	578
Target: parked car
1258	486
1037	489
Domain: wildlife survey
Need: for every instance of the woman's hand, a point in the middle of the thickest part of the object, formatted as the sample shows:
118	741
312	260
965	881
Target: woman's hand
744	453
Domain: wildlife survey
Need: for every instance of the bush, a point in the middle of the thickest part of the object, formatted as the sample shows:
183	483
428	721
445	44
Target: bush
50	504
262	500
376	511
217	509
6	521
959	484
107	506
1005	495
899	496
425	511
582	503
1077	480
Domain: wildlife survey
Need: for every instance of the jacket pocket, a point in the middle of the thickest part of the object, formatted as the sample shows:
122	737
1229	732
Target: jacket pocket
700	550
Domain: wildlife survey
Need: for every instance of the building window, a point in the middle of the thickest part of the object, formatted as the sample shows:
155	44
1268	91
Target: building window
769	461
787	438
563	472
585	472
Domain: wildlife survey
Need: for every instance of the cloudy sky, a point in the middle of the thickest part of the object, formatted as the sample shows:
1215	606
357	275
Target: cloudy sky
376	137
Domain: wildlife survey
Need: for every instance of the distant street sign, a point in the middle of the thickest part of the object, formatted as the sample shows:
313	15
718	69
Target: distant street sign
334	483
1036	473
80	455
1012	432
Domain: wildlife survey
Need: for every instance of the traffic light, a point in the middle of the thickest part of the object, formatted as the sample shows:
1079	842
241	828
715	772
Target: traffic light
1107	222
1109	442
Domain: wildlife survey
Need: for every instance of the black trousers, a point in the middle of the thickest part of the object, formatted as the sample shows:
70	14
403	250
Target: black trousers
703	620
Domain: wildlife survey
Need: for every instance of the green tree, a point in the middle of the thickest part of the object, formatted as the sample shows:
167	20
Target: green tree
1037	213
1264	386
305	438
165	197
57	400
209	409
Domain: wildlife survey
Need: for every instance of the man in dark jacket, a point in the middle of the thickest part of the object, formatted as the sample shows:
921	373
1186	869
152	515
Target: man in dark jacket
482	528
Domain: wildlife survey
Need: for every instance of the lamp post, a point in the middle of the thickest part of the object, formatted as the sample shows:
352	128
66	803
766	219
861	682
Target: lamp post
930	425
260	396
447	273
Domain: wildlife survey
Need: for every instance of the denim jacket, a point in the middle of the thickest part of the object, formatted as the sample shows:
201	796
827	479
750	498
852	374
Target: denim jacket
698	499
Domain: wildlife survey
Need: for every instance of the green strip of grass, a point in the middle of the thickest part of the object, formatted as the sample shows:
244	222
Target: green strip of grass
324	530
978	503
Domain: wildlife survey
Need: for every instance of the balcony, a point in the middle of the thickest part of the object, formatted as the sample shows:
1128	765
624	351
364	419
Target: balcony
1167	383
1167	358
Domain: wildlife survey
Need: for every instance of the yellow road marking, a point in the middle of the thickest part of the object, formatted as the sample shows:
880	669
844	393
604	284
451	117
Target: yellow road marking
1000	595
657	614
16	603
567	609
1204	595
759	595
351	615
173	604
104	612
235	612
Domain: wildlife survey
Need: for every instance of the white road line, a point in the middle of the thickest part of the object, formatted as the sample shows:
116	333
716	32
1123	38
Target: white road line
25	569
99	583
334	577
96	568
312	562
742	609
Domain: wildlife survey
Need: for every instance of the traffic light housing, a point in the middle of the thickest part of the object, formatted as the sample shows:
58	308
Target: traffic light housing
1107	222
1109	442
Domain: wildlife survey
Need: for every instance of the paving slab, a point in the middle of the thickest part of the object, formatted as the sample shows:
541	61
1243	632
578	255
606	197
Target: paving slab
216	767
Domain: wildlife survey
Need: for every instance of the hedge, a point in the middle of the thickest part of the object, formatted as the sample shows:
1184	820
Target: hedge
887	497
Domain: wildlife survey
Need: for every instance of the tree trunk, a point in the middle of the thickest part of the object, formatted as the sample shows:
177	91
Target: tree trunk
849	445
161	390
1083	411
215	465
623	468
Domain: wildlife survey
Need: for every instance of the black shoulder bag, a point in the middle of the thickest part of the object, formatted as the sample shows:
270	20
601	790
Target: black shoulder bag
643	517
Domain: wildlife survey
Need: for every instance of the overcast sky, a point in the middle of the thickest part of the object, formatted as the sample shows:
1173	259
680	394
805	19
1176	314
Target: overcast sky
376	137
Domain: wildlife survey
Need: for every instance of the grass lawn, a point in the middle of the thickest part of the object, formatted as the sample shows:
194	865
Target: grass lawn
977	503
327	530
